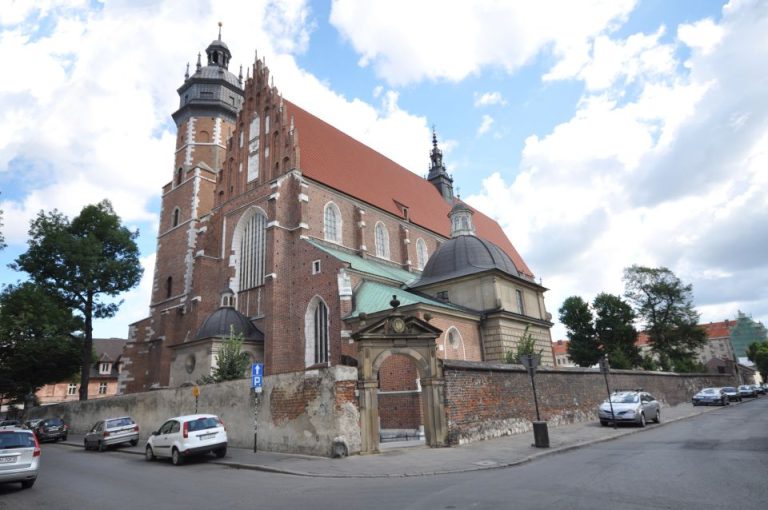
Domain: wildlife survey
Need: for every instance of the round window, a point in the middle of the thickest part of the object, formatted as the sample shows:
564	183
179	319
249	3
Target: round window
189	363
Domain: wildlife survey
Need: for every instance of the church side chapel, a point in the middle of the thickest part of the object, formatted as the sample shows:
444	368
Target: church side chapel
280	227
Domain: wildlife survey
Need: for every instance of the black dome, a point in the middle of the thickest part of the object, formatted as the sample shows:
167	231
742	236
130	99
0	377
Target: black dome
464	255
218	325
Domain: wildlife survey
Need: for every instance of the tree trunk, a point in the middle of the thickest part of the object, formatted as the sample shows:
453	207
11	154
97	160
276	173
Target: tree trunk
87	360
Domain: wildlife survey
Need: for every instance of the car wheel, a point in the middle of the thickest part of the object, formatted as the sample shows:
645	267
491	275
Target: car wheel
642	419
176	457
221	452
603	423
134	442
26	484
658	416
102	446
149	455
85	444
64	438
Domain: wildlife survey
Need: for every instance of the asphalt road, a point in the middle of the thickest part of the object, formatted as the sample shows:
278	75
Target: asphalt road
718	460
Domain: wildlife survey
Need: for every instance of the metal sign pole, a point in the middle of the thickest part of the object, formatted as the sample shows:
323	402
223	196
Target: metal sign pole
605	368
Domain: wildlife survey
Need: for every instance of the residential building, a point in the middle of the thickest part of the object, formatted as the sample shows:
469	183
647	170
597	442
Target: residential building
104	375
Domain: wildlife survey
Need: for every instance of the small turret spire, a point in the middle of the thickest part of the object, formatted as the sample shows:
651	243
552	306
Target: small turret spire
438	175
220	30
186	74
240	76
199	64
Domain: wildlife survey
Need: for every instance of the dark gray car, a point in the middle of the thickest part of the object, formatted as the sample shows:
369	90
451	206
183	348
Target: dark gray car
112	431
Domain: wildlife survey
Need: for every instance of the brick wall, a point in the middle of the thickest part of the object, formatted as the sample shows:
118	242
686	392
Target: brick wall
399	398
486	400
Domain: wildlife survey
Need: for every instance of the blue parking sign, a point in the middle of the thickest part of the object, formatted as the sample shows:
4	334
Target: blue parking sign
257	378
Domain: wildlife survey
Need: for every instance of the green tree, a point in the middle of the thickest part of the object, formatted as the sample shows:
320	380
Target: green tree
583	347
83	261
745	332
231	361
757	353
665	304
615	331
526	345
38	345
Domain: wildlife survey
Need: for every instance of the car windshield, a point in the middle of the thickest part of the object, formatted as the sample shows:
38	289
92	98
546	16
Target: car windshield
119	422
16	440
729	389
625	398
744	387
203	423
709	391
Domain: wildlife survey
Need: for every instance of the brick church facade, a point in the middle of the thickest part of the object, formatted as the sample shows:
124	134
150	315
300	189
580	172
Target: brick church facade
277	225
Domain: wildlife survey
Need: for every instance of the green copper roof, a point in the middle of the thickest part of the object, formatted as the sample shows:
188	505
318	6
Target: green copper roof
372	297
368	266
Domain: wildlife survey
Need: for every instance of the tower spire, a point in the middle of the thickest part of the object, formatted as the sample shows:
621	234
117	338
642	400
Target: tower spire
438	175
220	30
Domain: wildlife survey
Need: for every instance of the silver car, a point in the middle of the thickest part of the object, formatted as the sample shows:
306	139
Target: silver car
19	456
634	406
110	432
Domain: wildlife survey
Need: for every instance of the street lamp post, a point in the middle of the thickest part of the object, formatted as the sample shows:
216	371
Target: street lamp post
605	368
540	432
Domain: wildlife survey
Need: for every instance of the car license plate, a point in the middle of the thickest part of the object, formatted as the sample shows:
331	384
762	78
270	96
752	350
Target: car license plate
206	436
7	460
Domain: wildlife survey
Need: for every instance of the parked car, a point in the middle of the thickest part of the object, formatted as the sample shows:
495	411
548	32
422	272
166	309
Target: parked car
759	389
710	396
51	429
746	390
32	424
630	407
184	436
110	432
11	423
732	393
19	456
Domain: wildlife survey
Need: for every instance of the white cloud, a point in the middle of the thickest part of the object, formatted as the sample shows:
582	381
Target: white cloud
703	35
489	98
434	39
485	125
674	176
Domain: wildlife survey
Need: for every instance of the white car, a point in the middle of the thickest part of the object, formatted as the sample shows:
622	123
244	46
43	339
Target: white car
184	436
19	456
629	406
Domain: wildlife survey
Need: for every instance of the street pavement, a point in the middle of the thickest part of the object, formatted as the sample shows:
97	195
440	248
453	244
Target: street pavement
411	458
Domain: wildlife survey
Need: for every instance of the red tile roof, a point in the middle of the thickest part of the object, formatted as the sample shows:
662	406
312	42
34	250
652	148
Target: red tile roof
335	159
718	329
560	347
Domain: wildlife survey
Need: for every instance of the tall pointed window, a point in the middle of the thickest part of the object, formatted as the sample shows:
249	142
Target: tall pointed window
332	223
250	247
316	332
382	241
253	148
176	214
421	254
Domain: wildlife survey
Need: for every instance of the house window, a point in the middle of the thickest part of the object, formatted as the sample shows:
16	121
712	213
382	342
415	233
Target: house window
382	241
72	389
169	287
316	332
105	368
421	254
332	223
176	213
250	241
315	267
178	176
102	388
443	295
520	304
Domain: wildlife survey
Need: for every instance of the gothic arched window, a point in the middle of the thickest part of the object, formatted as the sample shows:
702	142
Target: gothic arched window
249	244
421	254
176	213
332	223
316	332
382	240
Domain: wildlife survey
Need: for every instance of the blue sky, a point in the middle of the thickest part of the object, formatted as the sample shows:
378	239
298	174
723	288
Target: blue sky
599	134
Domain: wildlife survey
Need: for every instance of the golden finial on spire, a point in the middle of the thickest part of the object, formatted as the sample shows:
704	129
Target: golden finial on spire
220	30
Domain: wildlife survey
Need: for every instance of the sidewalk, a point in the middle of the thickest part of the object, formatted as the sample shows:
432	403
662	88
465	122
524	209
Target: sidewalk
414	459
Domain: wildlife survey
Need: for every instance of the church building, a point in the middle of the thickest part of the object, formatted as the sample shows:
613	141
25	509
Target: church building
280	227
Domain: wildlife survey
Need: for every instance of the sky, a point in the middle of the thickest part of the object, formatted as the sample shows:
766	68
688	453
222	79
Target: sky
599	134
